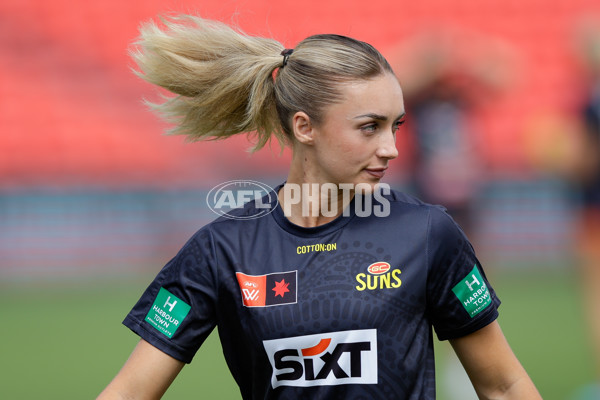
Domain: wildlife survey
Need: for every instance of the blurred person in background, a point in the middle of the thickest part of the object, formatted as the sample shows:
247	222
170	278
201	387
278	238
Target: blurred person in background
447	76
447	169
588	176
329	326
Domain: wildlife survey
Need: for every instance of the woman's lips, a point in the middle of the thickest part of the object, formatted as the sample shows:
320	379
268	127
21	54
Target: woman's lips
376	172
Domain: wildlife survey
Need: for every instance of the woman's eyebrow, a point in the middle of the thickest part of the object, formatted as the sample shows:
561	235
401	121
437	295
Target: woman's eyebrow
378	117
372	116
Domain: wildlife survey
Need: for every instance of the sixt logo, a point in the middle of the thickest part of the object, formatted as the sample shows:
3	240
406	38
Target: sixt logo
335	358
379	277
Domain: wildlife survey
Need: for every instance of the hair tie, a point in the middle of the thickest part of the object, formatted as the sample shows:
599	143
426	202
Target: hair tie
286	55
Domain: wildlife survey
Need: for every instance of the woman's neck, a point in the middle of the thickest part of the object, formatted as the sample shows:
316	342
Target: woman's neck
309	204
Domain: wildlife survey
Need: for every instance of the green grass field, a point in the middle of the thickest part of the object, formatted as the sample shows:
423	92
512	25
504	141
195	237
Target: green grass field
66	342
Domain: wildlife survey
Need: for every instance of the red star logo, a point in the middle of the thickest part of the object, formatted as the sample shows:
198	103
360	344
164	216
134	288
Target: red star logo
281	288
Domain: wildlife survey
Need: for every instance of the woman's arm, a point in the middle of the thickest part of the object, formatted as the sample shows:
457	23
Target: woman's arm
147	374
494	370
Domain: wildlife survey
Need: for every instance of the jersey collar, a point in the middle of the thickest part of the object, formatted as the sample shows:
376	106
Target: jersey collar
320	230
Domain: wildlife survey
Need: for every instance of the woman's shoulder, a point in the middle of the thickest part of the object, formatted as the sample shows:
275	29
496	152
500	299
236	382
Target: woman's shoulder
436	215
240	218
404	199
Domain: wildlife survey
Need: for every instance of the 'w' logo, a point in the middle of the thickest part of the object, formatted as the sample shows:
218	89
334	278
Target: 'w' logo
250	294
274	289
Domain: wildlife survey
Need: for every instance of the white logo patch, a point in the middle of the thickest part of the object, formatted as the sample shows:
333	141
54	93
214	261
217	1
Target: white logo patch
335	358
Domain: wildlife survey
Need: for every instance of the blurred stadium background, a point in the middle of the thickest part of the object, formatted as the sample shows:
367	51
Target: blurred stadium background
94	199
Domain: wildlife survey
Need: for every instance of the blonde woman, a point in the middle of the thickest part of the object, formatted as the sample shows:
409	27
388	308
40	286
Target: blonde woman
334	293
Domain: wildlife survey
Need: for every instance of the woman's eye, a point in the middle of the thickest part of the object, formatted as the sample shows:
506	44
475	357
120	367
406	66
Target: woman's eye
397	126
369	128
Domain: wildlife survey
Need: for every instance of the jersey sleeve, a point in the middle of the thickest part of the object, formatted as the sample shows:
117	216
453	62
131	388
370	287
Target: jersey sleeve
460	299
176	313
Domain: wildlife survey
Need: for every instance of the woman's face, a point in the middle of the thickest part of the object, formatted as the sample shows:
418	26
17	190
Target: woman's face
357	137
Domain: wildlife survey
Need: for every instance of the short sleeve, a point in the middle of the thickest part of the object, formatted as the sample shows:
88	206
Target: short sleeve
176	313
460	299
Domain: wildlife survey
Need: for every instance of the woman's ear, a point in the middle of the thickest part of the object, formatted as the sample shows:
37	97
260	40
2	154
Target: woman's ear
303	128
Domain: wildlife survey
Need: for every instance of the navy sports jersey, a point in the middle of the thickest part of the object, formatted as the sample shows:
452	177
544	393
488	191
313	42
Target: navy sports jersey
340	311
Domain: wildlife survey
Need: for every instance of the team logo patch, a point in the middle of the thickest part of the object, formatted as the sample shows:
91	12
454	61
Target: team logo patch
268	290
377	268
380	276
325	359
167	312
473	293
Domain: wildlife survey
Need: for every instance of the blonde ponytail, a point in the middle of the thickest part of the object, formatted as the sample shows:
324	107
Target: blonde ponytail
223	78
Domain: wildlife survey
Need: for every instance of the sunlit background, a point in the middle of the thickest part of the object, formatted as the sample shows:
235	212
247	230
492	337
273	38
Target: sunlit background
94	198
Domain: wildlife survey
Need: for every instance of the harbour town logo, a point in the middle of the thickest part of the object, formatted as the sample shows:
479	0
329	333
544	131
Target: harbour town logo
167	312
473	293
